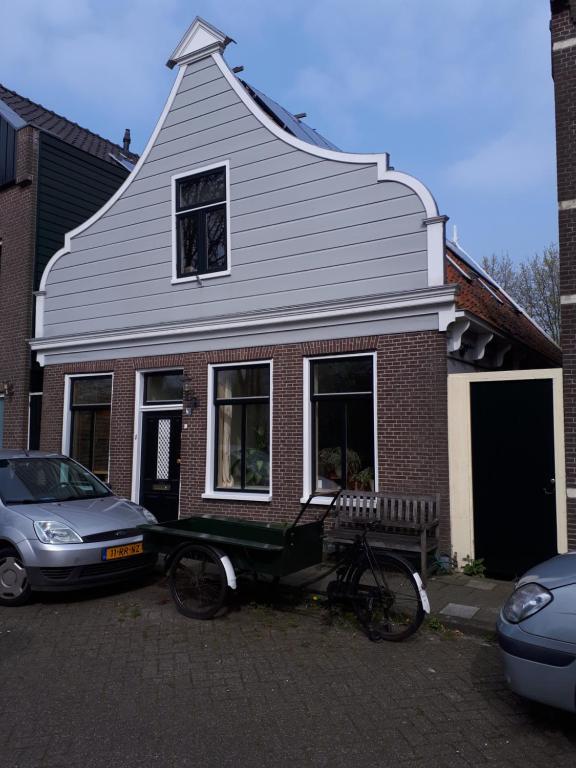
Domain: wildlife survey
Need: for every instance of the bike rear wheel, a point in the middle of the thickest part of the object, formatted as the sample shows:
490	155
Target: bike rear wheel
387	598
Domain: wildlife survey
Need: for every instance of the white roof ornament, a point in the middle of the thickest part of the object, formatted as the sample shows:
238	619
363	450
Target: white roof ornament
200	40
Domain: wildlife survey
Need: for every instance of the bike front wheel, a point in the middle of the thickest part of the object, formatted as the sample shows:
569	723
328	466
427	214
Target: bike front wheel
387	598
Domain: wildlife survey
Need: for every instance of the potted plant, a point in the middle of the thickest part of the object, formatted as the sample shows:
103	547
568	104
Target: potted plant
363	480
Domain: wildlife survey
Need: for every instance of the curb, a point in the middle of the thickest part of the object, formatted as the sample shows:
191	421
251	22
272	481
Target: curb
485	630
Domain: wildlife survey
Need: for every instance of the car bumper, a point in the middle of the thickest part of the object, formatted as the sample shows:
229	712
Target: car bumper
73	566
538	668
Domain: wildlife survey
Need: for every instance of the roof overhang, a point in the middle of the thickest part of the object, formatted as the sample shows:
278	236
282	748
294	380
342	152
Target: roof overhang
11	117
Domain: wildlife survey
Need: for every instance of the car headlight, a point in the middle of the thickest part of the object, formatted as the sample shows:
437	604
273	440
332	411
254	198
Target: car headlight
53	532
526	601
148	515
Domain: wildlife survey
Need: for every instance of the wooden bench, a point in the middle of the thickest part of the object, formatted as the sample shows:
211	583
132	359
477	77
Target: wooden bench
404	523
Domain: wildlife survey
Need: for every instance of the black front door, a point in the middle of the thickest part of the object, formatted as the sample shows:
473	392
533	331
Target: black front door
160	465
513	474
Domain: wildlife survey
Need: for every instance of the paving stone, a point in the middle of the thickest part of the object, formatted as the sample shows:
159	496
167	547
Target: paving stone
482	584
460	611
120	678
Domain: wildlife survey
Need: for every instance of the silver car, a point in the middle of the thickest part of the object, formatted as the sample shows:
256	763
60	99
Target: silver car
62	528
537	633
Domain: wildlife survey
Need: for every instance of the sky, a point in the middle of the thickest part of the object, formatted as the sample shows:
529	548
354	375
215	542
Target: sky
459	92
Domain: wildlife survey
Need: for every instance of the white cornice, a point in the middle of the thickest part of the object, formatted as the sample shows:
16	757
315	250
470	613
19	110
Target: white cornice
438	300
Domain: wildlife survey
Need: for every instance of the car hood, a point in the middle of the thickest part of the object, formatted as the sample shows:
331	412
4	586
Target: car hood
87	517
559	571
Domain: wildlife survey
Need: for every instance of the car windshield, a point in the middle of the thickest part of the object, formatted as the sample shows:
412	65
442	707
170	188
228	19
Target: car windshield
34	480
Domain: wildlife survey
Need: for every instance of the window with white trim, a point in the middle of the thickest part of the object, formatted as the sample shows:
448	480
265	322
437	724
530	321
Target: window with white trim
342	419
201	223
90	402
242	428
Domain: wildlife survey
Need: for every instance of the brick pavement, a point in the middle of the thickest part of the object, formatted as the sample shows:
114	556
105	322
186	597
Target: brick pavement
118	678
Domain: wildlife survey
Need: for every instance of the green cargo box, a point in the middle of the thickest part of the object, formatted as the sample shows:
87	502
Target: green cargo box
273	549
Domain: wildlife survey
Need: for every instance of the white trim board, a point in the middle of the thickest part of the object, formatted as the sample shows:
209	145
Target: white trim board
460	453
408	303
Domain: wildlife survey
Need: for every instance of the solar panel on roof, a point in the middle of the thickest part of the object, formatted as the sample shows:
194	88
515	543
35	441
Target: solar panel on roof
287	121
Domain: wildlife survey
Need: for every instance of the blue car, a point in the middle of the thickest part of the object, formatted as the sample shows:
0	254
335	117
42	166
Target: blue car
537	633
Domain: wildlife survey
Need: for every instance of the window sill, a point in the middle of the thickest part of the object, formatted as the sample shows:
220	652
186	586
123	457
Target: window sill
196	278
318	501
262	497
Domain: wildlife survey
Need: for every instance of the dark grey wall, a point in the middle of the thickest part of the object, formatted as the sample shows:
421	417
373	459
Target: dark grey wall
72	185
7	152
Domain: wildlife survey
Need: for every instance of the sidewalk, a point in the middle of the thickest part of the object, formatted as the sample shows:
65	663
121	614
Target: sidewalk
469	604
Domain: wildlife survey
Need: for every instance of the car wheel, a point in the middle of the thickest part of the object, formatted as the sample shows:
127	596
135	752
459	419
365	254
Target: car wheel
14	585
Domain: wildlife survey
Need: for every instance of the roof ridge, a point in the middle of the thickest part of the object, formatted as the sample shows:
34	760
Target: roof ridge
61	117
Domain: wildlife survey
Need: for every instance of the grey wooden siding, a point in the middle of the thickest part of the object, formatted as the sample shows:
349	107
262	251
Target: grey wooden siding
72	185
303	229
7	152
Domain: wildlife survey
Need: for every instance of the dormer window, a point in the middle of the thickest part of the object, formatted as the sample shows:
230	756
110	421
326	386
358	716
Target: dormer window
200	224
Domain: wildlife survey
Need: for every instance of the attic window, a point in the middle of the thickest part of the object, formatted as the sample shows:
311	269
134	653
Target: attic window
200	224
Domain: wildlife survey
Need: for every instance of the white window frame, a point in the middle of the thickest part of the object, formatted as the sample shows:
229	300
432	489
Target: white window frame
308	426
67	419
203	275
139	410
209	492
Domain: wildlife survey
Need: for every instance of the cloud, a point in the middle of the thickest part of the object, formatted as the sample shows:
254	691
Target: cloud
512	162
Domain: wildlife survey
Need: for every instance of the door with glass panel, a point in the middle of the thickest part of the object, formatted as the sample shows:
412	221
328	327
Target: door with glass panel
160	491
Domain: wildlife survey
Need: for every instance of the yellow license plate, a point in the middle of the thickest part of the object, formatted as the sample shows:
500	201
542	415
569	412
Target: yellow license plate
126	550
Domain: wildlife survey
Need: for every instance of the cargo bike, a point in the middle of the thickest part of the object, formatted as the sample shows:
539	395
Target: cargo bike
205	555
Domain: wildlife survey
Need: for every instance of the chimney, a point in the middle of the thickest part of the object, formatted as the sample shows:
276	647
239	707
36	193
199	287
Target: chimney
563	33
126	140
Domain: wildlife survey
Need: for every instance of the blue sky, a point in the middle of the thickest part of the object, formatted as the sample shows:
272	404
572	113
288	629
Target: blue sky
459	92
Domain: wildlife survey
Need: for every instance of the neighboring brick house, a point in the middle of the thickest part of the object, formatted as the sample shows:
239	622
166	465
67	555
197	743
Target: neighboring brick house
255	315
563	33
53	176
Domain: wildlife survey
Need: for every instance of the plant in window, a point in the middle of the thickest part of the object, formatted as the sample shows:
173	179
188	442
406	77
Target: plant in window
364	480
330	462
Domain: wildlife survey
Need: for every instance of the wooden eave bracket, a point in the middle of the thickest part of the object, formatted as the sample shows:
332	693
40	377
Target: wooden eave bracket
456	330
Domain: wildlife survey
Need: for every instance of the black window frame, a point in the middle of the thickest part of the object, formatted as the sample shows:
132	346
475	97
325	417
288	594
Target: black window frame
199	214
147	374
92	407
339	397
242	401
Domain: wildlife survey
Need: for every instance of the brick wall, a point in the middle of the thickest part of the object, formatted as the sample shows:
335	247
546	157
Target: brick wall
411	417
563	29
17	232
